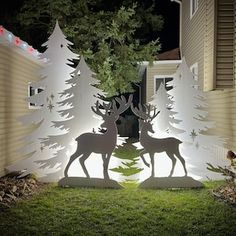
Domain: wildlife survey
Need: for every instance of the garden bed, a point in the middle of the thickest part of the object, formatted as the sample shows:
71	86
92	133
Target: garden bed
12	188
226	193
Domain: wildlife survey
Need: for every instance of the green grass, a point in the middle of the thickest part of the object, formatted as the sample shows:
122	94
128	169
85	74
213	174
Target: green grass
130	211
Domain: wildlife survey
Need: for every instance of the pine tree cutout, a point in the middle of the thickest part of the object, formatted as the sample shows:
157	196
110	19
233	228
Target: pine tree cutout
53	76
190	105
79	117
163	123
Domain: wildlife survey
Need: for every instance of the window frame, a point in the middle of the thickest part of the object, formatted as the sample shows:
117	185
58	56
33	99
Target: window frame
36	91
164	77
193	8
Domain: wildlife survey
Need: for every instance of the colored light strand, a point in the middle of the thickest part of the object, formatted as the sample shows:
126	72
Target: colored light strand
12	39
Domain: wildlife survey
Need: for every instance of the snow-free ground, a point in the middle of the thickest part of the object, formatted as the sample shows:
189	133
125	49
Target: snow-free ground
129	211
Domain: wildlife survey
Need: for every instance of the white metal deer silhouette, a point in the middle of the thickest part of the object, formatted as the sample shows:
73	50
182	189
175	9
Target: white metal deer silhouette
154	145
105	143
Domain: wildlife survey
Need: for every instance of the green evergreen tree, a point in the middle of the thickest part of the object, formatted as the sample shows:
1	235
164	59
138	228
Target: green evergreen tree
108	35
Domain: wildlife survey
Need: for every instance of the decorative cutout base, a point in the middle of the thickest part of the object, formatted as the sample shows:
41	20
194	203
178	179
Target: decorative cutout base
170	182
88	182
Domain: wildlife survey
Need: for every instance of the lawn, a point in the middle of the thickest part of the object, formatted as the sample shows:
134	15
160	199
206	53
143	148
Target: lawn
129	211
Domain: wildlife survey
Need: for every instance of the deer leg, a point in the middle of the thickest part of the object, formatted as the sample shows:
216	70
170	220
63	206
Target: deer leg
144	161
82	160
106	160
173	159
182	161
152	164
72	158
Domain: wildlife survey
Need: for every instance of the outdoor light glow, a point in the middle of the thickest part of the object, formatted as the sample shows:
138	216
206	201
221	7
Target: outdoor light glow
17	41
1	30
24	45
9	36
30	49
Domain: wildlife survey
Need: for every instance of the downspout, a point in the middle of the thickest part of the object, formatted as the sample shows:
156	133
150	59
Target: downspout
180	25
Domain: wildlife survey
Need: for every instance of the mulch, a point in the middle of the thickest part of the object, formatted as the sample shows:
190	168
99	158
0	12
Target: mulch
226	193
13	189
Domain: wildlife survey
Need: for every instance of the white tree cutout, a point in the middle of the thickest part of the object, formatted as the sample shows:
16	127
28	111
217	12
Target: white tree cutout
53	76
163	123
190	105
79	117
188	110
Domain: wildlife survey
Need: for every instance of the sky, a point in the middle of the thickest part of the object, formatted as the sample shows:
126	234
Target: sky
169	36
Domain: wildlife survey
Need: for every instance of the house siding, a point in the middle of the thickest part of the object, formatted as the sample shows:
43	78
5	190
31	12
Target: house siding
222	103
222	110
234	42
193	36
16	70
198	40
209	46
225	44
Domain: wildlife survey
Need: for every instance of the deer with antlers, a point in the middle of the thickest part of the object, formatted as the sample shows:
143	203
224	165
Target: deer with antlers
154	145
104	143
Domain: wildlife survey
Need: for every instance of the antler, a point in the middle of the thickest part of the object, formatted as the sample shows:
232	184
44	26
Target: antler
149	109
145	115
111	108
139	111
98	111
123	105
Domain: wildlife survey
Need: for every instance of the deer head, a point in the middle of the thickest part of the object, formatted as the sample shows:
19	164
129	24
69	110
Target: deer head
145	117
112	112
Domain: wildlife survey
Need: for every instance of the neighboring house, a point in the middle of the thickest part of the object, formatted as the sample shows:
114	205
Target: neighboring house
208	43
161	71
18	66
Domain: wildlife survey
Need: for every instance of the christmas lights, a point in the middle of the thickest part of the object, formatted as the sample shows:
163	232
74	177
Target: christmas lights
16	41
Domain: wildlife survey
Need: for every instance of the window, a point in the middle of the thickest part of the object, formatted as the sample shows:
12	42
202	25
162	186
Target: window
31	92
193	7
162	79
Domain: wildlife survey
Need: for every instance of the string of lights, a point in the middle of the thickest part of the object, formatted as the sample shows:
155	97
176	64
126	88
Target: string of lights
16	41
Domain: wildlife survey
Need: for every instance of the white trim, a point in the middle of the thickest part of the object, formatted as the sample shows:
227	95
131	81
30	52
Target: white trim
146	63
191	6
177	1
